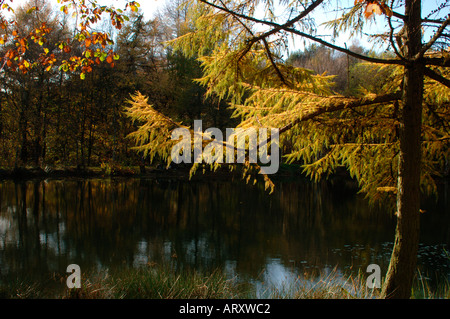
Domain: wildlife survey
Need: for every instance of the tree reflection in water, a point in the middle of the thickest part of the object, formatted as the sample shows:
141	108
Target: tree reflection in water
46	225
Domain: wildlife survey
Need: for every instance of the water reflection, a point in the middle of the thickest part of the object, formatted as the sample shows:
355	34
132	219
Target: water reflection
106	223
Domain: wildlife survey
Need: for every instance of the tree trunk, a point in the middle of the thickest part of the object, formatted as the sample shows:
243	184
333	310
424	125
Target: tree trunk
23	152
400	275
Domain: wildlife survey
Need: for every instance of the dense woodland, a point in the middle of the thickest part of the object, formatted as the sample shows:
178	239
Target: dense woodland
383	115
57	118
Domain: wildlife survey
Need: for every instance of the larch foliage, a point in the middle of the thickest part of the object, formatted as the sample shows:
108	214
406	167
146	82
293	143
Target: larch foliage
242	61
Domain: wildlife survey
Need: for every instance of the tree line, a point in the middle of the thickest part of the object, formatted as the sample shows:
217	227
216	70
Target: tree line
50	116
384	120
62	117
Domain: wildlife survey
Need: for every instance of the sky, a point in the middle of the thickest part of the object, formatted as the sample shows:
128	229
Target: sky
150	7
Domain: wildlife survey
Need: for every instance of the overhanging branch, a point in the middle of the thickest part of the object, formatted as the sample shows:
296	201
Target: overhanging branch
436	36
288	27
334	106
347	103
437	77
346	51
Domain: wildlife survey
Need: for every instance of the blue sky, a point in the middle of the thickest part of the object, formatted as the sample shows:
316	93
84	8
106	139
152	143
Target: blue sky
149	7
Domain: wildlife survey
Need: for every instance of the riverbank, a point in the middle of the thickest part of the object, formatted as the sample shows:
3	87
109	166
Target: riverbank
162	282
159	171
286	171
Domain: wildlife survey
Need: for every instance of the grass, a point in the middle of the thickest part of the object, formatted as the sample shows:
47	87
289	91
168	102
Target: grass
422	289
159	282
152	282
162	282
323	286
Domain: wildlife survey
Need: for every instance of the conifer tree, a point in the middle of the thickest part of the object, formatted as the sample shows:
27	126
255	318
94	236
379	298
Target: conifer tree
393	141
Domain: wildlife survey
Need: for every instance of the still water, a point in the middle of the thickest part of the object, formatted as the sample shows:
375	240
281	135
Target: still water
100	224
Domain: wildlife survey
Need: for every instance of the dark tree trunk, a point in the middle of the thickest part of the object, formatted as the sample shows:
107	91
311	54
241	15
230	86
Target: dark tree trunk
23	153
400	275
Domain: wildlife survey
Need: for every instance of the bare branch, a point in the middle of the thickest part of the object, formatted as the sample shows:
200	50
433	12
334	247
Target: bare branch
277	69
347	51
266	46
436	36
441	61
437	77
287	27
391	39
438	21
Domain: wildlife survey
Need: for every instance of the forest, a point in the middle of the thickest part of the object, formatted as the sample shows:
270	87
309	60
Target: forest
83	91
53	118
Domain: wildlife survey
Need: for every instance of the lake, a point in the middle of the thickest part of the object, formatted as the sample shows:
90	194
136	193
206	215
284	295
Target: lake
256	237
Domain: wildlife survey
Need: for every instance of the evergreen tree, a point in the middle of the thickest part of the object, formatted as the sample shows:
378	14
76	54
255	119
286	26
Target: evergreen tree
392	141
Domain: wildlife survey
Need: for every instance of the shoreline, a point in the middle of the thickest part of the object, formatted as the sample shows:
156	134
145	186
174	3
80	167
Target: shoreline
287	173
181	172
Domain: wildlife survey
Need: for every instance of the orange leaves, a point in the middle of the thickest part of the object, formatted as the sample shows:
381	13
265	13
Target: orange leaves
89	39
10	57
134	6
14	56
100	38
96	51
65	9
24	65
19	42
97	45
374	7
15	60
48	61
22	45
